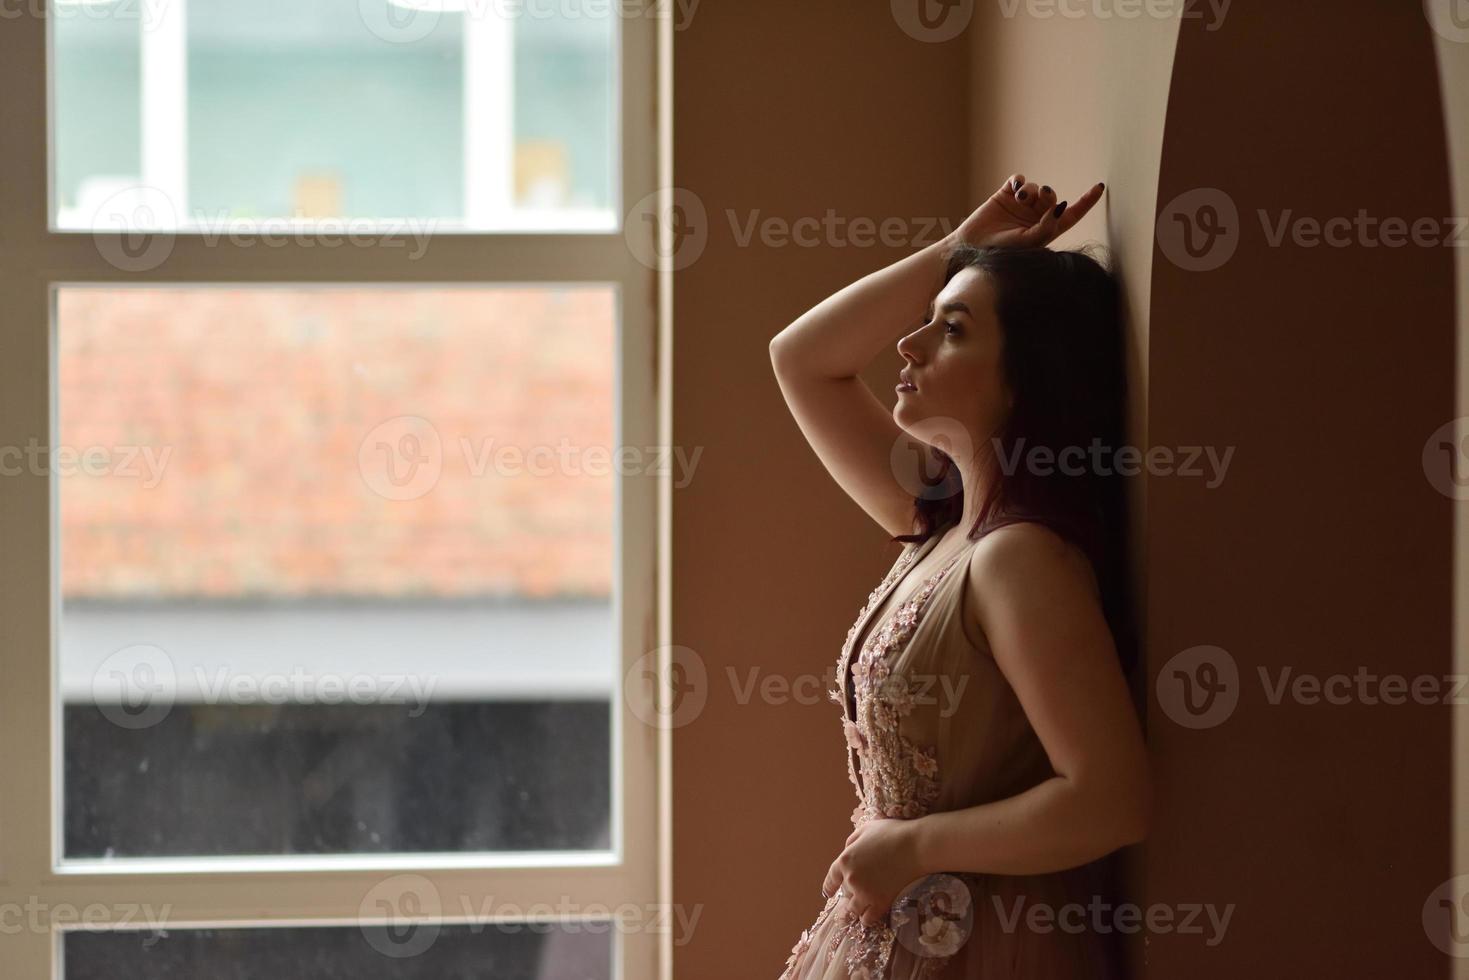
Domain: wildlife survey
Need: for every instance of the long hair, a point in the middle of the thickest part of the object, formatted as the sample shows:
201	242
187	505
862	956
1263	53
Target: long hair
1052	461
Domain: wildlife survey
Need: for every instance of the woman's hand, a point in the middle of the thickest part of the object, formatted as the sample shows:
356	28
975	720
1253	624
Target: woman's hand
1022	214
878	862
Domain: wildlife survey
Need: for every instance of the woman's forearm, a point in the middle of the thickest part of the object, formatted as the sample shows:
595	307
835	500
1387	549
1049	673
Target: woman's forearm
841	335
1049	827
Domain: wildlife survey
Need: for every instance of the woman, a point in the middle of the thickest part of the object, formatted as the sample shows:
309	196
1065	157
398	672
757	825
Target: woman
991	738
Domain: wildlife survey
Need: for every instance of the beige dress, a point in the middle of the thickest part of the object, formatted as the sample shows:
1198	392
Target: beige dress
931	724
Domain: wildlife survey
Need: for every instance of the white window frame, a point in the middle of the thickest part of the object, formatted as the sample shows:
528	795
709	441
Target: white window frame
327	890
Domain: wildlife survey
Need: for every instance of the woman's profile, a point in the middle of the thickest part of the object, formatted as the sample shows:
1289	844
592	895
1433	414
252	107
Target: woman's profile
991	739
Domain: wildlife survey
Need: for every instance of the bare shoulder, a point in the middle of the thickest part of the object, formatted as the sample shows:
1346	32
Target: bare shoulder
1028	560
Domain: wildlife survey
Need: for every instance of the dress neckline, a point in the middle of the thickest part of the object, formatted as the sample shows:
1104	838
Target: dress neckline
860	633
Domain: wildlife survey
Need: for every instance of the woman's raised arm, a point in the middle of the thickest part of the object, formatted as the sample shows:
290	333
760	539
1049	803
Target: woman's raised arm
818	357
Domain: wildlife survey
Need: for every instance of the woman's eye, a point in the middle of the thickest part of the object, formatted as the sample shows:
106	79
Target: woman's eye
950	327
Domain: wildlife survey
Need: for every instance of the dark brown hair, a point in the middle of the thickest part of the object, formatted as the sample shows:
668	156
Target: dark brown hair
1063	358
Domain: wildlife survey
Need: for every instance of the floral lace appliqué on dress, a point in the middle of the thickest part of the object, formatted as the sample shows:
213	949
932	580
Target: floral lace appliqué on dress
898	778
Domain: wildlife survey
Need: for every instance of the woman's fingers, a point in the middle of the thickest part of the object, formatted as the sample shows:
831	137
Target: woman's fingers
1029	194
832	882
1047	198
871	914
1012	184
1043	231
1077	209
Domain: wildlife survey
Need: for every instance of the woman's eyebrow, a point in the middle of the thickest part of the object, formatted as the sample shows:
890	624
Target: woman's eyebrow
954	306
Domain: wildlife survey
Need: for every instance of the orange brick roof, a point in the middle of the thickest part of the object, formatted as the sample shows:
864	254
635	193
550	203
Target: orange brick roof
262	399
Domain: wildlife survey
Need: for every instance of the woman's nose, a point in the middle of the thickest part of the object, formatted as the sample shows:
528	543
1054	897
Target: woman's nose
908	348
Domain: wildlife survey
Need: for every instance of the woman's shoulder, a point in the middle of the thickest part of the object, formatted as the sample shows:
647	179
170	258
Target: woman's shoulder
1022	561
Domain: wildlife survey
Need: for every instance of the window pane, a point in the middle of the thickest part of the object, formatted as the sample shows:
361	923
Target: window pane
453	114
336	569
508	951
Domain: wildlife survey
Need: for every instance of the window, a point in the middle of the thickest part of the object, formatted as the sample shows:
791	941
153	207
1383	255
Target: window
207	113
329	481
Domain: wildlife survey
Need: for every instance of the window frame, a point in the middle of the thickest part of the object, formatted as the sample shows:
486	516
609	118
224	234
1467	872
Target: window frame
36	260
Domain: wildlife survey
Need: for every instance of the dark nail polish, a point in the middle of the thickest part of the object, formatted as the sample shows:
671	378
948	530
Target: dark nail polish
1046	188
1059	209
1101	186
1015	183
1021	195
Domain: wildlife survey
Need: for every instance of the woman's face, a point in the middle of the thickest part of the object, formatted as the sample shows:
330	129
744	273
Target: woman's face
953	362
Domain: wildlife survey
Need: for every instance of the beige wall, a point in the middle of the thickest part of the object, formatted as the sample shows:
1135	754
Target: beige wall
782	111
1326	368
